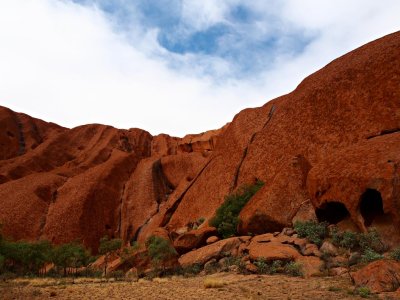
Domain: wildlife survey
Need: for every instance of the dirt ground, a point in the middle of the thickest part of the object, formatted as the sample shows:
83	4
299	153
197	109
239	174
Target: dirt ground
228	286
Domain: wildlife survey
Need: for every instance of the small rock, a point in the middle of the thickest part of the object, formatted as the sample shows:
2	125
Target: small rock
251	267
338	261
212	239
223	262
354	258
132	273
310	249
233	268
339	271
210	264
329	248
288	231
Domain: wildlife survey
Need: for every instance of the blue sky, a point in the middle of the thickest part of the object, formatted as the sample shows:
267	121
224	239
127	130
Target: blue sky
172	66
234	37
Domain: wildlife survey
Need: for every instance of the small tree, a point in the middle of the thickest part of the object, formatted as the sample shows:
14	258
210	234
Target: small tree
160	250
227	215
108	246
71	255
26	256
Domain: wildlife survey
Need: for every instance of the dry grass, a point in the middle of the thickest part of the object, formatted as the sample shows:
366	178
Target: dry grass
219	286
214	283
160	280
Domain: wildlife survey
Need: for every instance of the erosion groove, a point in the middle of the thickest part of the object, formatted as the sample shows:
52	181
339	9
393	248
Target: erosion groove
384	132
174	207
237	173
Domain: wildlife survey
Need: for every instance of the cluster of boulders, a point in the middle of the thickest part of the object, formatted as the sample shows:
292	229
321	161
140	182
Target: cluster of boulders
204	249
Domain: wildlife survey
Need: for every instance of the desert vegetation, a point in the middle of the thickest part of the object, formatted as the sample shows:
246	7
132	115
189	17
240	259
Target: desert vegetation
226	217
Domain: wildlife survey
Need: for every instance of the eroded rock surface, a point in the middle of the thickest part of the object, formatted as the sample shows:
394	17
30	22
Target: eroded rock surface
330	145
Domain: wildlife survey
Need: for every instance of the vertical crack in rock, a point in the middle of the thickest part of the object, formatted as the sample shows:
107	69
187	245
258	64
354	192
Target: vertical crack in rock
162	188
118	231
237	173
396	187
21	137
50	201
170	211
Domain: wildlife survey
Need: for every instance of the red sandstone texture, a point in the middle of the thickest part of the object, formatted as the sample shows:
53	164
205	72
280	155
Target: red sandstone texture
331	146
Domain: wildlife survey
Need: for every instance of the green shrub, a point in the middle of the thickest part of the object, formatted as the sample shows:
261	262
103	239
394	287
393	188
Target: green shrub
293	269
370	255
226	217
2	261
159	249
347	239
313	231
201	220
262	266
71	255
395	254
364	292
372	240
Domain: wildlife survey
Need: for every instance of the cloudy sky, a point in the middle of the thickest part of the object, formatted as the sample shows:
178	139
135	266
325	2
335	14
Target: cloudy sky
173	66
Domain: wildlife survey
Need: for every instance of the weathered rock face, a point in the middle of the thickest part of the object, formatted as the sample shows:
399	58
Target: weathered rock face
342	121
20	133
89	181
330	145
379	276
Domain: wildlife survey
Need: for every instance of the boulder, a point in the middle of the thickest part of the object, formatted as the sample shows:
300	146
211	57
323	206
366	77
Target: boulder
379	276
212	239
328	248
310	265
272	251
310	249
206	253
193	239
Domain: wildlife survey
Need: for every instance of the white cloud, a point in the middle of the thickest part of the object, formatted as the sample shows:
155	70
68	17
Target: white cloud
65	63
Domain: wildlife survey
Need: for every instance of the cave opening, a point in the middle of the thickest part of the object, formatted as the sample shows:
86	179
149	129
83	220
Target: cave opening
371	206
332	212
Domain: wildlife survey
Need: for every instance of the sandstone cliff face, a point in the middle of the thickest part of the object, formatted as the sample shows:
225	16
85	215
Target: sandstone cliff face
89	181
333	142
349	103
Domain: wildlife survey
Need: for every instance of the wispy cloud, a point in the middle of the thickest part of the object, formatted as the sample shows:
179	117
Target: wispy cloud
176	66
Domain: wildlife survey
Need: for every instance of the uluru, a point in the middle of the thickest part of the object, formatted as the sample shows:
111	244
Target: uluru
330	147
293	197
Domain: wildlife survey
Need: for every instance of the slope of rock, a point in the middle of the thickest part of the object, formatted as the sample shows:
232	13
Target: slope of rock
348	102
329	146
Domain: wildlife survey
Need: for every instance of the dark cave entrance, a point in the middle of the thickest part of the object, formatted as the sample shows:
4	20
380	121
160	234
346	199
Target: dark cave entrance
332	212
371	206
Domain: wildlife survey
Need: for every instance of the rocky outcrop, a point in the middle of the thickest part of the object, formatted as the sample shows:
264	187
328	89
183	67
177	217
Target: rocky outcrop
349	105
379	276
327	150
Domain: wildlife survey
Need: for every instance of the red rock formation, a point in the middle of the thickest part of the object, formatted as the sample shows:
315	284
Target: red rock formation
344	105
20	133
330	145
379	276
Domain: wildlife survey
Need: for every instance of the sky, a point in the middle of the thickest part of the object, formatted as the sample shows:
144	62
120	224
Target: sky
171	66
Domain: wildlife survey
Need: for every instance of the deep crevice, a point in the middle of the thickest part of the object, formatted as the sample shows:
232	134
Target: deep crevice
174	207
162	188
244	155
384	132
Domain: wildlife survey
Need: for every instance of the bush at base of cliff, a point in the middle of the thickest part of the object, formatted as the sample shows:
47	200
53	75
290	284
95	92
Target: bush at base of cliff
313	231
227	215
159	249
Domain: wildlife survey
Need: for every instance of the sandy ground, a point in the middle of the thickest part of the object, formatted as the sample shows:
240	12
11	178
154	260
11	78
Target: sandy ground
231	286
